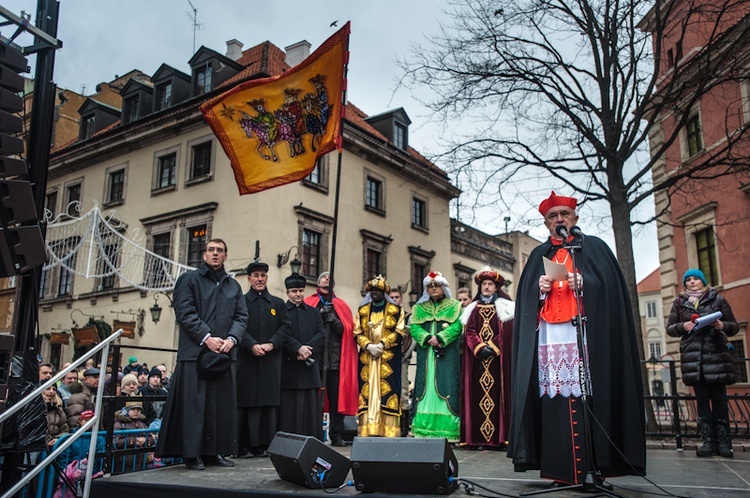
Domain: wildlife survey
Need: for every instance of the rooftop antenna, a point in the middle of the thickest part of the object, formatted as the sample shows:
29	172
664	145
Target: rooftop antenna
193	16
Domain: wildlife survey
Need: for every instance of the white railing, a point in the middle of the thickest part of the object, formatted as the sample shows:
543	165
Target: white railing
92	424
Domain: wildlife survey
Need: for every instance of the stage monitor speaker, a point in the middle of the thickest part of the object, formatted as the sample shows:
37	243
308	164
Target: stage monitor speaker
404	465
305	461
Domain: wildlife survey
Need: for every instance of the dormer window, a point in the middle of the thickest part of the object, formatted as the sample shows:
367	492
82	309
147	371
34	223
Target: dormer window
203	79
130	111
399	136
163	96
89	127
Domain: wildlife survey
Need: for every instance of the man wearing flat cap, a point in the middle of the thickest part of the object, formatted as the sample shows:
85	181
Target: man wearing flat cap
301	409
339	357
259	364
548	419
379	331
200	417
485	370
84	399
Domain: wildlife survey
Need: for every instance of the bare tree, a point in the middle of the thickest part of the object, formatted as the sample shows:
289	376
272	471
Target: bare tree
569	92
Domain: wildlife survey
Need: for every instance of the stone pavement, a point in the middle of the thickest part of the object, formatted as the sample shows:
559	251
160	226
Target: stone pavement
670	473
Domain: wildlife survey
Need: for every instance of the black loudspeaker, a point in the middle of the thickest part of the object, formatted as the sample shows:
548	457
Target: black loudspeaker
404	465
305	461
350	428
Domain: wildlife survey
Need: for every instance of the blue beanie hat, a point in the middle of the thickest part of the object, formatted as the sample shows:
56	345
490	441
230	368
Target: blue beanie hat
694	272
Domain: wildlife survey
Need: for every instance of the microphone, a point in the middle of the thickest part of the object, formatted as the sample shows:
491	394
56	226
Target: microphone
562	231
576	231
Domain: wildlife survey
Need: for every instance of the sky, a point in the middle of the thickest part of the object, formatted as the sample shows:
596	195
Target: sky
103	39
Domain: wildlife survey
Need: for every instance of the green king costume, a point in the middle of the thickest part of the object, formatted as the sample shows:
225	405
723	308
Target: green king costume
438	380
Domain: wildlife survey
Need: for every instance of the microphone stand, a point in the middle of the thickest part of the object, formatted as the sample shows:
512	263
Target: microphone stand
591	481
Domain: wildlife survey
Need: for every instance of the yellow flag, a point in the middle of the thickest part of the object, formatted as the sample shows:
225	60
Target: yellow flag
274	129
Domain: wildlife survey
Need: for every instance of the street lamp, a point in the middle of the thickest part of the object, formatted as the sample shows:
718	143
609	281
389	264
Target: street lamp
155	310
283	258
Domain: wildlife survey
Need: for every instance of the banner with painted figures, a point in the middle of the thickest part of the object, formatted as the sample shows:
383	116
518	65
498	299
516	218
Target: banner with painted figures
274	129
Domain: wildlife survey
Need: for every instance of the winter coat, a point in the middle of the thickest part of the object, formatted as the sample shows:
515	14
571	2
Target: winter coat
131	462
57	421
703	354
78	402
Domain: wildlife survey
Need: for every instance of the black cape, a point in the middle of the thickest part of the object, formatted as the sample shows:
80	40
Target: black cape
617	392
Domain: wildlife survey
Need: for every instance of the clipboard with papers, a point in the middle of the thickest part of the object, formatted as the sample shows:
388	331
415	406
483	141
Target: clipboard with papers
706	320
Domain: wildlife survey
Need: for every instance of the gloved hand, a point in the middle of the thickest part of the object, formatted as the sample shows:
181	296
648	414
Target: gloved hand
375	349
327	313
485	352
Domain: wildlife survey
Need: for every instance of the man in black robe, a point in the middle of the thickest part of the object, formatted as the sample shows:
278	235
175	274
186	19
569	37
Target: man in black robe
259	364
301	410
548	422
200	419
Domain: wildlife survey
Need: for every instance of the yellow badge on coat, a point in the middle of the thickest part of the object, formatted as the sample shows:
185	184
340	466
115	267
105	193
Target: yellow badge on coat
273	312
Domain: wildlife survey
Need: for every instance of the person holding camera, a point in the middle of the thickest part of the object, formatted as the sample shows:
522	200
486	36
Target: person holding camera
339	357
379	331
436	328
301	410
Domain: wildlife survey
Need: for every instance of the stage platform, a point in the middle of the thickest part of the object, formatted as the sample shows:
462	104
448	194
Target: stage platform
677	473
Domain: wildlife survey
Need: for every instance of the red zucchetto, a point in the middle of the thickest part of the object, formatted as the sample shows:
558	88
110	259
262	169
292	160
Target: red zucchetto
556	200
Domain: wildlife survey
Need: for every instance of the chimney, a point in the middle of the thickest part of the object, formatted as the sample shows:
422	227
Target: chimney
297	52
234	49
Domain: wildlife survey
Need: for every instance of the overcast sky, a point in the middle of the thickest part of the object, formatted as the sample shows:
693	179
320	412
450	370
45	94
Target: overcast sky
105	38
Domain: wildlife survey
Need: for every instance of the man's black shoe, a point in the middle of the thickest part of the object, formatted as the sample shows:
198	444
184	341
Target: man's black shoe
244	453
220	461
260	454
194	464
338	441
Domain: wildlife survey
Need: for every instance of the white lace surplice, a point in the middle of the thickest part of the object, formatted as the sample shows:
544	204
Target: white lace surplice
558	360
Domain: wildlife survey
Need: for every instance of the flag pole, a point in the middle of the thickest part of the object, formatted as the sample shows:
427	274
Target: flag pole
340	147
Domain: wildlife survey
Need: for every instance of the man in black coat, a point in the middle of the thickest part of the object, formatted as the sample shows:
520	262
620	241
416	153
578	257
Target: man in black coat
200	419
301	410
548	421
259	364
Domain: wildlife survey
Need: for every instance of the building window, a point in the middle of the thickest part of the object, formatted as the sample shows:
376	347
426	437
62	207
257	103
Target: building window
89	127
706	249
654	350
73	199
109	264
310	253
167	170
374	256
418	272
418	213
203	79
318	177
651	309
65	286
116	186
373	264
197	239
44	283
130	112
373	194
419	261
201	159
399	136
693	135
158	269
315	175
50	203
738	358
163	96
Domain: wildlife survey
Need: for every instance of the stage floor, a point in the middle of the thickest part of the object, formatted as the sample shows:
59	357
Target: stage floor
678	473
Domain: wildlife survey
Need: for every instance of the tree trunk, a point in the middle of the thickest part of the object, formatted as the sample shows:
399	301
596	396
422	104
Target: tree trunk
624	246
